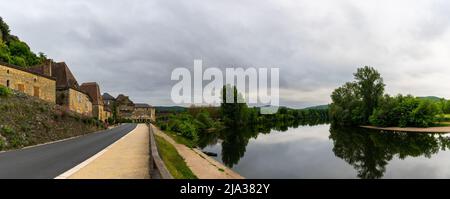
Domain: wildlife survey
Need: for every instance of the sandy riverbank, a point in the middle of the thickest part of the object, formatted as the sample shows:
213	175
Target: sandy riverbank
443	129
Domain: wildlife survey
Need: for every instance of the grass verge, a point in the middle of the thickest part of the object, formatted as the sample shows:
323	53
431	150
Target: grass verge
174	162
180	139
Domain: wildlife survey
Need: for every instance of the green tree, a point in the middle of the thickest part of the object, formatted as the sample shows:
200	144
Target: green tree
4	53
233	111
354	102
4	30
371	87
346	107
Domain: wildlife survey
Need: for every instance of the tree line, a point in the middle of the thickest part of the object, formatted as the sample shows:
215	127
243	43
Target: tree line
363	102
196	122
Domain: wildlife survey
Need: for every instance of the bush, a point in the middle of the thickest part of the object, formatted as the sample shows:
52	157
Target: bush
404	111
2	143
5	91
14	139
424	114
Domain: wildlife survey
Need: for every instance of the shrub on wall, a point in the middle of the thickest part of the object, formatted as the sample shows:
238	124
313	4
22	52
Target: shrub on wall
4	91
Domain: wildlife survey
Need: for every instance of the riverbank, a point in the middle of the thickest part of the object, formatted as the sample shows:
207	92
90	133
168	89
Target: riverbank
440	129
203	166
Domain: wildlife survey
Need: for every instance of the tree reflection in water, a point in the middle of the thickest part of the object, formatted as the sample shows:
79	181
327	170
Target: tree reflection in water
235	140
369	151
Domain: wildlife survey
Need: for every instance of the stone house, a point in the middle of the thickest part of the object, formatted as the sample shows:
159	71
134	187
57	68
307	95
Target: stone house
28	82
68	92
108	100
143	112
127	109
109	103
93	90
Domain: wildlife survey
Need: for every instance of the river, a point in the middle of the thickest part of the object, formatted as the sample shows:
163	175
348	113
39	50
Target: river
320	151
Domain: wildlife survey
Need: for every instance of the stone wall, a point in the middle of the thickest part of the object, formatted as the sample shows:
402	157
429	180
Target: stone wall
29	83
98	111
75	100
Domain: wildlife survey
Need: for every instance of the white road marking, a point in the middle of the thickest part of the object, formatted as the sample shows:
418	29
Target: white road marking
73	170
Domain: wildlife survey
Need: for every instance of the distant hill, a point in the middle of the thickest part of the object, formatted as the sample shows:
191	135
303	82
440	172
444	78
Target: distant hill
170	109
433	98
319	107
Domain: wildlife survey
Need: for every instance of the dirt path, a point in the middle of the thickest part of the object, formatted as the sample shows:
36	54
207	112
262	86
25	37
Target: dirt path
203	166
444	129
128	158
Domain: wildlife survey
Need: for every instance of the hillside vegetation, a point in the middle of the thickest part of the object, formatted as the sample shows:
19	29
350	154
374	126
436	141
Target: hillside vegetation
14	51
26	121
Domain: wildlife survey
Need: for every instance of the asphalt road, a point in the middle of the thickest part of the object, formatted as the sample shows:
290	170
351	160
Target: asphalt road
51	160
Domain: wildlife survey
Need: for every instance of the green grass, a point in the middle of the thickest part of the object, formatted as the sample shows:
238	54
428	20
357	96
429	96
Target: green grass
174	162
441	124
180	139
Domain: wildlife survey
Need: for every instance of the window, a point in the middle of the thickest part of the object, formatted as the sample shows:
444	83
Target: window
21	87
7	71
7	83
36	91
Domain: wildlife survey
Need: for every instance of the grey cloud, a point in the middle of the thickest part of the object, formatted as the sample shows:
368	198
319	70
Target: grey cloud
132	46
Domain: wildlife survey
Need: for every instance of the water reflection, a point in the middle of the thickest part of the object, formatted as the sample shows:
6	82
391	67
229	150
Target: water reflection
367	151
234	141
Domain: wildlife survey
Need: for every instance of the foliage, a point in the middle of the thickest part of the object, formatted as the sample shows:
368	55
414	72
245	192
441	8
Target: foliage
16	52
189	126
5	91
346	108
362	102
233	108
404	111
370	87
173	161
354	102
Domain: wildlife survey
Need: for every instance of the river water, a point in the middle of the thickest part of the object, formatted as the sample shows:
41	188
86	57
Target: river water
323	152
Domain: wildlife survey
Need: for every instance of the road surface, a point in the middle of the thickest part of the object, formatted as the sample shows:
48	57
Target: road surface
50	160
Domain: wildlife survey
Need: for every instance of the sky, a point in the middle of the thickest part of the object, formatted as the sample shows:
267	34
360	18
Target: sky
132	46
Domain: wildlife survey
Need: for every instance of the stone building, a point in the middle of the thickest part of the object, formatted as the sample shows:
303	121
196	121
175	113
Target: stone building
28	82
127	109
109	103
143	112
93	90
108	100
68	92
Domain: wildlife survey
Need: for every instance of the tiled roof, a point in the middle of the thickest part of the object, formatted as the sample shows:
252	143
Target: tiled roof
63	75
93	90
59	71
124	100
107	96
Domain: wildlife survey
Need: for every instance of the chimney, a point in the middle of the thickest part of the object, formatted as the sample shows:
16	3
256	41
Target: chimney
47	67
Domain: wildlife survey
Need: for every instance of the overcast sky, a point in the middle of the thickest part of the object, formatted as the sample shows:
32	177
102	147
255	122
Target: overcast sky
132	46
